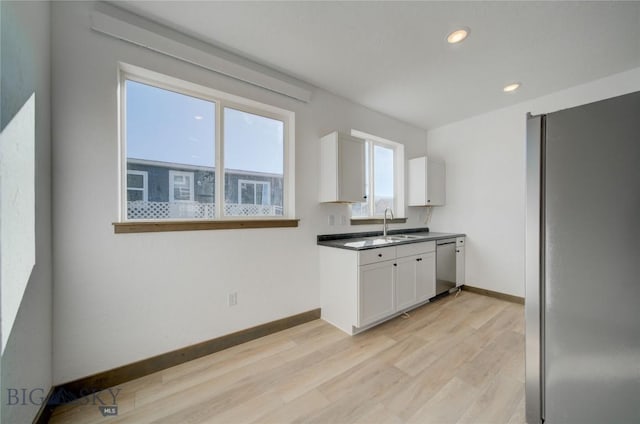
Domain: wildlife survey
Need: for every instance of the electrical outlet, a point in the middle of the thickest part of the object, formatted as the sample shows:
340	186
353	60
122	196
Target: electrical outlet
343	220
233	299
332	219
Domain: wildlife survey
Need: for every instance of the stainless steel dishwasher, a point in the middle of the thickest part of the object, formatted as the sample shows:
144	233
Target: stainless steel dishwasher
445	265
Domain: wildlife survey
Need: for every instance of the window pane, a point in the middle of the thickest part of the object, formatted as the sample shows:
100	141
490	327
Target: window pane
135	181
170	132
182	187
261	194
134	195
169	127
247	194
254	152
170	143
382	179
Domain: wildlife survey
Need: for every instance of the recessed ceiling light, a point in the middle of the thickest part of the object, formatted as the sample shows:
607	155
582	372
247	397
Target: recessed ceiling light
198	117
458	35
511	87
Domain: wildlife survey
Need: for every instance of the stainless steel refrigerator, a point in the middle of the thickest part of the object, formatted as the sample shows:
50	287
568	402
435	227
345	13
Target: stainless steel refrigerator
582	304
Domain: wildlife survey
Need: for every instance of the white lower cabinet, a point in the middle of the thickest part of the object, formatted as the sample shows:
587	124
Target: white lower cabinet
361	289
426	276
375	297
405	282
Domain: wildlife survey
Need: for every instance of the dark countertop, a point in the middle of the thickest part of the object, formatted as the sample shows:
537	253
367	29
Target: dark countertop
374	239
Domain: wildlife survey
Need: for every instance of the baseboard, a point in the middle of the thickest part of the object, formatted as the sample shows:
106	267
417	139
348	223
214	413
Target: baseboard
497	295
111	378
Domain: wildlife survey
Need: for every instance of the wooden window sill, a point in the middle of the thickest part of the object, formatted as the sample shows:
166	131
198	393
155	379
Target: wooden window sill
162	226
369	221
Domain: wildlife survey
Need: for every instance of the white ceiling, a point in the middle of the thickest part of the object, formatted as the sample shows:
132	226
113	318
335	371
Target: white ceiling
392	56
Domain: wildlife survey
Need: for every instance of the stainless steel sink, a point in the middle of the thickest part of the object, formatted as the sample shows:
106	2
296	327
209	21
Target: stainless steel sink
370	242
395	238
403	237
381	241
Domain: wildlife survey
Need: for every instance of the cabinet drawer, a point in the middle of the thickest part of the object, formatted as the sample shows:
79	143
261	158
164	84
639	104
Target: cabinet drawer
415	248
376	255
460	241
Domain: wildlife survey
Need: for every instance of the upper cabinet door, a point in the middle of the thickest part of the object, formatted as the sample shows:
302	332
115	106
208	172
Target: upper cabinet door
426	182
342	168
435	183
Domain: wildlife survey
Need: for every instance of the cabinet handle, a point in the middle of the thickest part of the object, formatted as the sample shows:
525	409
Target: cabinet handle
418	259
364	197
428	201
457	251
379	255
395	264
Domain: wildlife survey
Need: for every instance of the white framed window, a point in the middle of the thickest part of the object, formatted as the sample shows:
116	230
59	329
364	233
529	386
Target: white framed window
137	186
384	177
180	186
169	123
254	192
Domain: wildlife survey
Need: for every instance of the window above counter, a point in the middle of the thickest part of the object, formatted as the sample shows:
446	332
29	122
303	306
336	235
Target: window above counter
384	178
364	170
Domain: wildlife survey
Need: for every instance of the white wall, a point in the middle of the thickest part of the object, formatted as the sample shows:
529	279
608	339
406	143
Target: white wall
485	158
122	298
17	211
26	358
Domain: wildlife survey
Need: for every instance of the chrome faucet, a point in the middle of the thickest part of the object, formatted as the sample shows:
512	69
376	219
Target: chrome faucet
384	221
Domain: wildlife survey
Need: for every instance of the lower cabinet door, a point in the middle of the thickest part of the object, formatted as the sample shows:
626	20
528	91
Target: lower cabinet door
406	282
376	296
426	276
459	266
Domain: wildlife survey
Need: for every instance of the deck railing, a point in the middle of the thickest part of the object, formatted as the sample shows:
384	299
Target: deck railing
195	210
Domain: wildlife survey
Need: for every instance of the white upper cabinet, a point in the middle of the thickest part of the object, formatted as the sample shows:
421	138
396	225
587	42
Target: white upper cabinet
342	168
426	182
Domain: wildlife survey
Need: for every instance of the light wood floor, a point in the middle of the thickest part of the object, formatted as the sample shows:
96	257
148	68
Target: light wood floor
457	360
